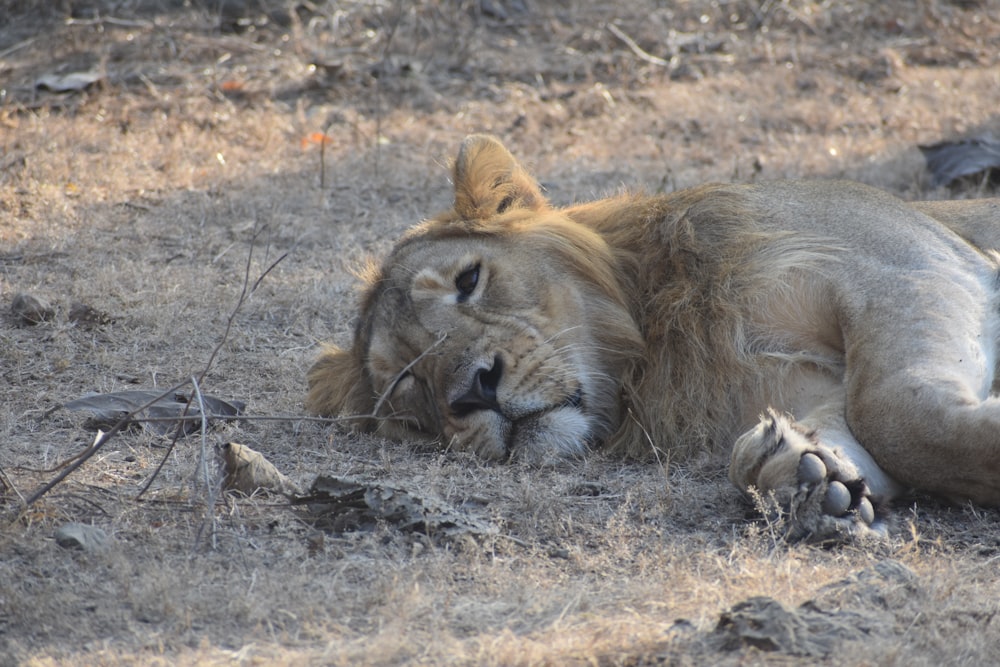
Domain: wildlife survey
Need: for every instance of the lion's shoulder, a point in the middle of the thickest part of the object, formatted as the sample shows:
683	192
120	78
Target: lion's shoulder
737	288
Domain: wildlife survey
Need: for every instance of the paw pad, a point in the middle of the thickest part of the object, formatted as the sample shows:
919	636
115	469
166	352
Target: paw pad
837	500
812	470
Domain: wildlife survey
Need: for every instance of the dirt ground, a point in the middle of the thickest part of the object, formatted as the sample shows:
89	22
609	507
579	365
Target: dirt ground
159	158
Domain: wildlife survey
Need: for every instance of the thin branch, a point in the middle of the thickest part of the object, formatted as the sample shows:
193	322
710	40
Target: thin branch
401	374
322	163
8	484
102	438
170	448
20	45
244	292
636	49
111	20
260	278
211	489
99	442
202	463
378	86
242	418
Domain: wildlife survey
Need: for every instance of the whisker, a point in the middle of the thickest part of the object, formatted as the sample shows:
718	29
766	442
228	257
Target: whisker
560	333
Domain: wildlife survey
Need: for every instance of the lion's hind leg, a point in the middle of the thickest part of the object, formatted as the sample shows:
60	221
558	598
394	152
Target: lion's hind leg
818	477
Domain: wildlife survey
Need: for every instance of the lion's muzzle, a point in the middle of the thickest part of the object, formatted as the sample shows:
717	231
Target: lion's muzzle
482	392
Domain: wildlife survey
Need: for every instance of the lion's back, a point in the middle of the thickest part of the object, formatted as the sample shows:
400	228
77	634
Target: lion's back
746	291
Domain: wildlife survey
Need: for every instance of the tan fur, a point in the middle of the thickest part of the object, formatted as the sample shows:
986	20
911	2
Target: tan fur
673	321
697	329
329	392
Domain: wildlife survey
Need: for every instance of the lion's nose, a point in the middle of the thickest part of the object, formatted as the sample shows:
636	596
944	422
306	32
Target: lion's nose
482	394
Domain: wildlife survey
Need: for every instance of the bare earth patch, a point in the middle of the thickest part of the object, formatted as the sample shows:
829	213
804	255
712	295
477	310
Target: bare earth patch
158	157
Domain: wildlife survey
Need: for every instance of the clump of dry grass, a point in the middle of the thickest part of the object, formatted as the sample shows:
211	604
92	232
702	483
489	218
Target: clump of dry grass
142	196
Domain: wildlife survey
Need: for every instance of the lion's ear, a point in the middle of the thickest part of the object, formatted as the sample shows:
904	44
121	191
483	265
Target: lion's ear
488	180
338	385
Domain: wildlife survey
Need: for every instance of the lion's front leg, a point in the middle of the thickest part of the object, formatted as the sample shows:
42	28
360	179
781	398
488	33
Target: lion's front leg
819	477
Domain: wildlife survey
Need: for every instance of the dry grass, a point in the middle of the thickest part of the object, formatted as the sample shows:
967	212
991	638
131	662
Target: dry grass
141	195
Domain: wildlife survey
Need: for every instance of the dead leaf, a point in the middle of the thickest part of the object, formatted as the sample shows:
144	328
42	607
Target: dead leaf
248	471
70	82
28	309
951	160
108	409
81	536
88	316
346	505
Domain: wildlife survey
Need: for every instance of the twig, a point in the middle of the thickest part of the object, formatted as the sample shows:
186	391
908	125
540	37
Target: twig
211	416
378	87
111	20
244	293
20	45
65	462
131	418
399	376
102	438
322	163
636	49
211	489
202	462
8	484
266	271
170	448
99	442
92	503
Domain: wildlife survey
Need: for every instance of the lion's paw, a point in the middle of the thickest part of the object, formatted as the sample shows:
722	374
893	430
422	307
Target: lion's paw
818	491
828	505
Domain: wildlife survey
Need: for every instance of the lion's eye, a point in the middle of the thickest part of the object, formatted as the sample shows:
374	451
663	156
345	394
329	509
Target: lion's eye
466	282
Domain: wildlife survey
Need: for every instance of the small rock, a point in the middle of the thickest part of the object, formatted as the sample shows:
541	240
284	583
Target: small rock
81	536
28	309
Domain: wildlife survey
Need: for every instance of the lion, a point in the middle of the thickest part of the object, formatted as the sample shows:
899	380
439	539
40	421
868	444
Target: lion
841	342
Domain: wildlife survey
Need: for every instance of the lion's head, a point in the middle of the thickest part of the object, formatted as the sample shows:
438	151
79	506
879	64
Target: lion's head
498	327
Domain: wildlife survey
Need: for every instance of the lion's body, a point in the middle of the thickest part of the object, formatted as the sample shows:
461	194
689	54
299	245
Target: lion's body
676	321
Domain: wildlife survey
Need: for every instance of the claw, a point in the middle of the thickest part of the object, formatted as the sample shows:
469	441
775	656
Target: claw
866	511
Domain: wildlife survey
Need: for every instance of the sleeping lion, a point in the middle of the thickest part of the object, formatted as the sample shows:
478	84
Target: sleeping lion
842	342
